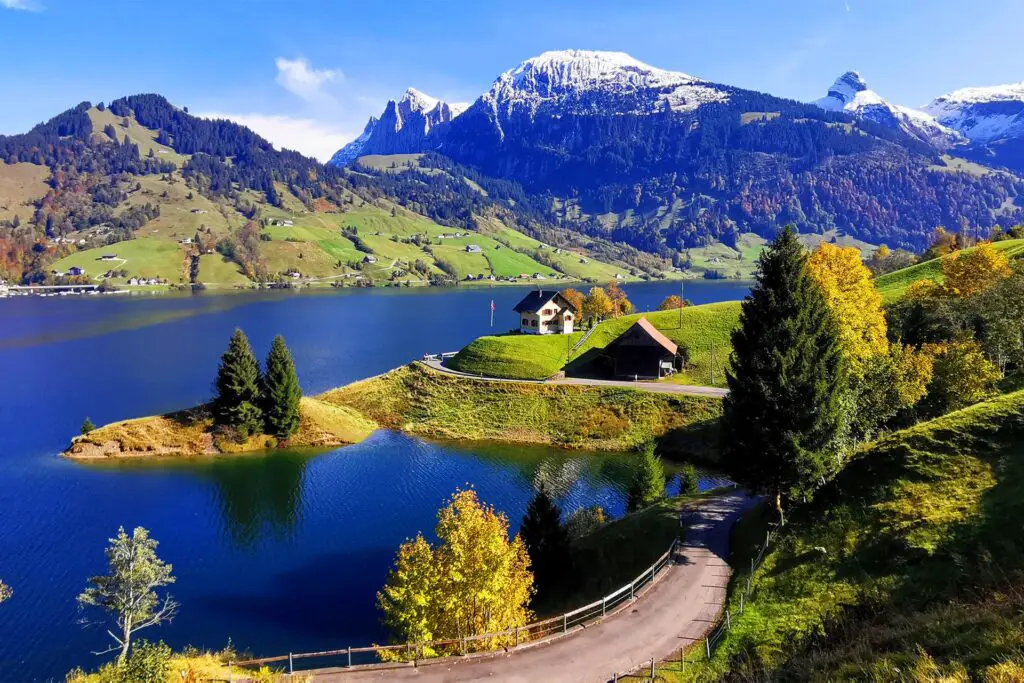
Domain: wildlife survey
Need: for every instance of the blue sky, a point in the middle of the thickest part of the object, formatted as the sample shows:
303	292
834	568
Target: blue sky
308	73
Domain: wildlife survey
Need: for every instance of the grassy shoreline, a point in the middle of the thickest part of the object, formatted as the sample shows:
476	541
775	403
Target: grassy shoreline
423	402
191	433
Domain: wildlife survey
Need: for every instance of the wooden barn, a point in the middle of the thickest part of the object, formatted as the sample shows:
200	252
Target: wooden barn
642	352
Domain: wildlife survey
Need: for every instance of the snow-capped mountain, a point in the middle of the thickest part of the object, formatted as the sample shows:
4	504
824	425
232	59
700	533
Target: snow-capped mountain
850	93
590	81
983	114
403	127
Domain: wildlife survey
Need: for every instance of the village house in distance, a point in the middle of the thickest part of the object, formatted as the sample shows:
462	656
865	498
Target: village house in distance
543	312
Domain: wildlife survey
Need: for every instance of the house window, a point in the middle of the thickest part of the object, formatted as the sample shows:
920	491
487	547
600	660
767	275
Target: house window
568	316
534	323
526	322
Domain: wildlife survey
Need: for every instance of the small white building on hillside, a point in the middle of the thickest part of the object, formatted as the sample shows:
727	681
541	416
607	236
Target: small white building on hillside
545	312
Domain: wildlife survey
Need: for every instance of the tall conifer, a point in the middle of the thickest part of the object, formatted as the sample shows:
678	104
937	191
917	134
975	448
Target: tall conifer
787	413
546	541
281	393
238	388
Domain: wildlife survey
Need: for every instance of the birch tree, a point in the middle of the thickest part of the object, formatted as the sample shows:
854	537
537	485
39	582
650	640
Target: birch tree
129	592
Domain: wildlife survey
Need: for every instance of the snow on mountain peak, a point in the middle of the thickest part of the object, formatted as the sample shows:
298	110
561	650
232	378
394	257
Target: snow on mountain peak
554	77
850	93
419	101
983	114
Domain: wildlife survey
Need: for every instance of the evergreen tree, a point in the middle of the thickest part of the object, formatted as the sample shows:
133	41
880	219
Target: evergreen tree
238	388
546	541
281	393
648	483
689	482
87	426
788	410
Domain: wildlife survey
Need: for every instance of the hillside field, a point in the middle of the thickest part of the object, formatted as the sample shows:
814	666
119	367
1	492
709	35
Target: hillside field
911	560
704	332
893	285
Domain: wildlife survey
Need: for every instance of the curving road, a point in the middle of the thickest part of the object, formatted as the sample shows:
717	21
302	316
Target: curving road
656	387
677	610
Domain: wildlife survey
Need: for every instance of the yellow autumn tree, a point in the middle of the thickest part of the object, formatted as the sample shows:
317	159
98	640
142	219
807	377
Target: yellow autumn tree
846	284
597	305
971	272
474	581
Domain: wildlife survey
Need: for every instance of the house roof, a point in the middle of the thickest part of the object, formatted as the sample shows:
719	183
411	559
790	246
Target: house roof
538	299
644	326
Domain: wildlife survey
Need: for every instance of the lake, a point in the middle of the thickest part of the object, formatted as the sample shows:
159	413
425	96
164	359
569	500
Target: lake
281	551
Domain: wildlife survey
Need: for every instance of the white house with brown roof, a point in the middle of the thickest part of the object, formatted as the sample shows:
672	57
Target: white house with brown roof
545	312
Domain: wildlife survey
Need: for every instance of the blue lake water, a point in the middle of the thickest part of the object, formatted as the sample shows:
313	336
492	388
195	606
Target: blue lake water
278	551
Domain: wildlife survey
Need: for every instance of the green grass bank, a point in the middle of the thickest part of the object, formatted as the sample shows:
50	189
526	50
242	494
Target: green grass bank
704	331
908	566
427	403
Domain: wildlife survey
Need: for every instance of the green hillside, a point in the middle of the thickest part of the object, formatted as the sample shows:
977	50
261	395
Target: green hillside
893	285
704	332
912	560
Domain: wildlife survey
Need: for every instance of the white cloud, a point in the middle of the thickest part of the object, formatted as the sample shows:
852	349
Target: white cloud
299	77
312	138
27	5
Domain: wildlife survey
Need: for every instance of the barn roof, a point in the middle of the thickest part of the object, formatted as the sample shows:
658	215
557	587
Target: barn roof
649	330
538	299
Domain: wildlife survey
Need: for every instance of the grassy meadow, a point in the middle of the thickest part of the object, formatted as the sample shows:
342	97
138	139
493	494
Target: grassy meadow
421	401
704	332
915	545
892	286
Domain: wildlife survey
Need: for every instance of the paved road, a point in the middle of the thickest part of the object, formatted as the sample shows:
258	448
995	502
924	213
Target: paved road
676	610
657	387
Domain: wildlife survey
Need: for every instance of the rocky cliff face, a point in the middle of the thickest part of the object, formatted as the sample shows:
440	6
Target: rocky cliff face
404	127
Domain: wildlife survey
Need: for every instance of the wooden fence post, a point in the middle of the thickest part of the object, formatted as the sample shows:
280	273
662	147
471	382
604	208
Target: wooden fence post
291	665
350	656
728	620
707	644
604	605
652	668
565	623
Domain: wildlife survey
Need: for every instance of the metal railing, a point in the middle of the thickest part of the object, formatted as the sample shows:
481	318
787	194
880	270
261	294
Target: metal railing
646	670
513	637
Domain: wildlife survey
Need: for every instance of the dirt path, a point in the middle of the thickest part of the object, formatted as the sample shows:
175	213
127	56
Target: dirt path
656	387
678	609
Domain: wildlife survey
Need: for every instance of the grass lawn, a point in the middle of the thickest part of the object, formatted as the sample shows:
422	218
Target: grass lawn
463	262
434	404
215	270
915	546
148	257
892	286
143	137
390	162
307	258
21	184
704	329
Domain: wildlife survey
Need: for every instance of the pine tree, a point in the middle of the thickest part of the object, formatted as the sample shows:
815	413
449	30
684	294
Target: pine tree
87	426
546	541
787	412
689	482
238	388
281	393
648	483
